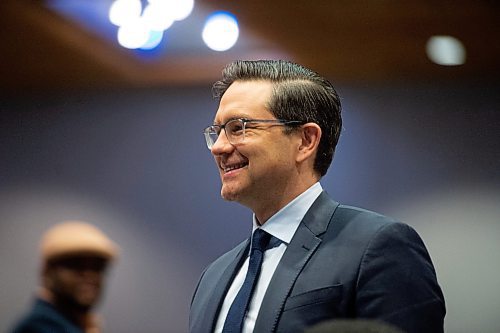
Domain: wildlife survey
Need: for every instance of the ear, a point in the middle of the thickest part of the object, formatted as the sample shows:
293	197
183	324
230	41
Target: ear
310	137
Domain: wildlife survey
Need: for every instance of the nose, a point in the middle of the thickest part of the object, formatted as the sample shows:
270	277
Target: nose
221	145
91	275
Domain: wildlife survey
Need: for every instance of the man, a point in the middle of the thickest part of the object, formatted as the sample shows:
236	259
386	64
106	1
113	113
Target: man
273	138
75	256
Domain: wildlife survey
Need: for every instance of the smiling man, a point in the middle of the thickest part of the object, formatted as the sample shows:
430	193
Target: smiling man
75	256
309	258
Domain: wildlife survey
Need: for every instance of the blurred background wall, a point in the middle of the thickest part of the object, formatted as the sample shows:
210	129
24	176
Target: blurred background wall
131	158
135	163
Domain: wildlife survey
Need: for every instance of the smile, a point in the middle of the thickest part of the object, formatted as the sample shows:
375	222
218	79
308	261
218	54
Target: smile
232	167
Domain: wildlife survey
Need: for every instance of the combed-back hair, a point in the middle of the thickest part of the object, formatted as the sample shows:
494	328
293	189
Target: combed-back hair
298	94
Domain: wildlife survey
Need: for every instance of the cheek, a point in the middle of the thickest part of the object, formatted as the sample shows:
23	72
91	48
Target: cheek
66	280
58	282
100	277
277	155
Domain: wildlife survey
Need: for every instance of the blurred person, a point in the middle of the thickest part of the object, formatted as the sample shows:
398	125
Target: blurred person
309	258
353	326
75	257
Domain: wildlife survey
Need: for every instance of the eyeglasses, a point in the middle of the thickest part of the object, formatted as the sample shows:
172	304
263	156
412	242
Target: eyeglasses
235	129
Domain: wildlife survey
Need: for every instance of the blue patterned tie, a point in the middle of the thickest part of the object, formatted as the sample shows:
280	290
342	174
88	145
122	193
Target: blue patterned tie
236	315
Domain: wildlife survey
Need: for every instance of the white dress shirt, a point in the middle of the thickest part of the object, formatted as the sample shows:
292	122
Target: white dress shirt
281	225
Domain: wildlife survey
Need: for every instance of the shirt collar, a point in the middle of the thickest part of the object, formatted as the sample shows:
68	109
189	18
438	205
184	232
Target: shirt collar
285	222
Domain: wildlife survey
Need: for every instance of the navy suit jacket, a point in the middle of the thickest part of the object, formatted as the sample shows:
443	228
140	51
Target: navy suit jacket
342	262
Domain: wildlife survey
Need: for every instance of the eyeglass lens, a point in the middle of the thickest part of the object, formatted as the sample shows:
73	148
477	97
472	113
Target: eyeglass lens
235	132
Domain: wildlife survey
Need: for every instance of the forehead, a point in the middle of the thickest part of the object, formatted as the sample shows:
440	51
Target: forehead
246	99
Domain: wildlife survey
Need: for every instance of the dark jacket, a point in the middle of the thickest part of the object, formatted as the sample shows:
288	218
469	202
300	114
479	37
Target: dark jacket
45	318
342	262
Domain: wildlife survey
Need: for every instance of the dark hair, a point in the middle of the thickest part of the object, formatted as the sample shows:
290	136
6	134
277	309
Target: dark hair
298	94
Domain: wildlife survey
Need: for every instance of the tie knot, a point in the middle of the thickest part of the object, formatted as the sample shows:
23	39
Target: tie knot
260	240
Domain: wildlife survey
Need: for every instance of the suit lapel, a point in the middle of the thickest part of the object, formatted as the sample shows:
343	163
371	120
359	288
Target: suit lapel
216	298
302	246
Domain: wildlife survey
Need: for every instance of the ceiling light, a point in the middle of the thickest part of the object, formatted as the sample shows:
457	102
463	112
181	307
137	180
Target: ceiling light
446	50
156	18
134	34
221	31
144	29
154	40
123	11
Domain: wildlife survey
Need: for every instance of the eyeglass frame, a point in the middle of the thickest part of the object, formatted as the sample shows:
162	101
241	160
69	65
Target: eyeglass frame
210	142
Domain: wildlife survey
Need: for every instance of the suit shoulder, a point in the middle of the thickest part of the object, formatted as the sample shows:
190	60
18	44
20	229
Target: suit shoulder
43	318
363	216
361	221
40	323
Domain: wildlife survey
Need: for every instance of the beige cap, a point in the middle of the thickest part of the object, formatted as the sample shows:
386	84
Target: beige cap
75	237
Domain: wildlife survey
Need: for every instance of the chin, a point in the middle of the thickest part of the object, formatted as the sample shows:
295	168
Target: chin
84	305
229	194
87	301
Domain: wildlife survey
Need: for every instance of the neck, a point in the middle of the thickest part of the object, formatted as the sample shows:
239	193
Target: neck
266	207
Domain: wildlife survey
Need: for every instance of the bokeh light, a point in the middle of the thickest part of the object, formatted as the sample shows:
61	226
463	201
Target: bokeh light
446	51
143	29
221	31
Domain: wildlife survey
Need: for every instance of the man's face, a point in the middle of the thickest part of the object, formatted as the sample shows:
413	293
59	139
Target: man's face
76	281
263	165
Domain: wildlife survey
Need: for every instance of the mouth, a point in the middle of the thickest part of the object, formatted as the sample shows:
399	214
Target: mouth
89	287
88	292
226	168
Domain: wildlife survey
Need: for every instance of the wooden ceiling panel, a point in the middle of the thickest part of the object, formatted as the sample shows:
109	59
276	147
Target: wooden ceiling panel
356	40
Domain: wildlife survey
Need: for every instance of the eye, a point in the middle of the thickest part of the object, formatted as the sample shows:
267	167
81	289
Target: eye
235	127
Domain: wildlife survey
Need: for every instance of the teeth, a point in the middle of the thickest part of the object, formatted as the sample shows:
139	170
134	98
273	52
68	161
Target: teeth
234	166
